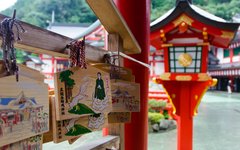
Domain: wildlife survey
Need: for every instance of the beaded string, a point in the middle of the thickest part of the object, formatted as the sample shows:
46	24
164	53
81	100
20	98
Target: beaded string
77	54
8	39
82	54
73	54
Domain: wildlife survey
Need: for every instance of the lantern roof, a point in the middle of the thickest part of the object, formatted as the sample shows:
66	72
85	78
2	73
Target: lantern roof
221	31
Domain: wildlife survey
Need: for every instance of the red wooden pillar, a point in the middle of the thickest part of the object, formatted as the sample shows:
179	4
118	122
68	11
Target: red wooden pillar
137	16
231	54
185	119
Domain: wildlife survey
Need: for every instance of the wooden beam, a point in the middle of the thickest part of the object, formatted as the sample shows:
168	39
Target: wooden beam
93	54
115	43
186	35
41	41
41	38
102	143
39	50
114	23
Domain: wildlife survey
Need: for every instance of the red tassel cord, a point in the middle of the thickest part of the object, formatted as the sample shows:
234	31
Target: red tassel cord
77	54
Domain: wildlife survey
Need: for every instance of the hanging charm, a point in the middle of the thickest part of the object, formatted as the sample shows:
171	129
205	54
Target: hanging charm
8	39
77	54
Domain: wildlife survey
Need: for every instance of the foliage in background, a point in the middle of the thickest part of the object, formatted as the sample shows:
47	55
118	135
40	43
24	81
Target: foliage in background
165	114
160	7
155	103
225	9
155	117
21	56
38	12
1	54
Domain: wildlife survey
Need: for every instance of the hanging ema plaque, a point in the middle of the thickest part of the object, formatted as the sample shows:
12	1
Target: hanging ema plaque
32	143
24	109
81	92
69	129
125	96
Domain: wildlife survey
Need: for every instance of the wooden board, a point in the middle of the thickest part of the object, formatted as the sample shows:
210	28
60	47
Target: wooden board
89	95
71	141
32	143
119	117
24	71
48	136
41	38
70	129
113	22
105	143
24	109
116	72
41	41
30	73
125	96
2	69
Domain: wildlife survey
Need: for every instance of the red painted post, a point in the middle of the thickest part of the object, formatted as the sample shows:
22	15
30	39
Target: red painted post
137	16
231	54
105	131
185	119
205	56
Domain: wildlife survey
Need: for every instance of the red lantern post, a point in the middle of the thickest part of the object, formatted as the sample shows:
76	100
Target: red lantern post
185	34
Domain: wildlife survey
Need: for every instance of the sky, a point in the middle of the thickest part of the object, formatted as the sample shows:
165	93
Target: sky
4	4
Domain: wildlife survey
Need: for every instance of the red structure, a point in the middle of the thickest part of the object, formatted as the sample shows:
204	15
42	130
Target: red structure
185	33
137	17
228	66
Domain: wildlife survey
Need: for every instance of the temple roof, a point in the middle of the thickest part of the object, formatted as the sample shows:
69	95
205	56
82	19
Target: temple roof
183	6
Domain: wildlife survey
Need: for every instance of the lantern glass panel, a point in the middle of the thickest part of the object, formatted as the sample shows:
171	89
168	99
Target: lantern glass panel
194	55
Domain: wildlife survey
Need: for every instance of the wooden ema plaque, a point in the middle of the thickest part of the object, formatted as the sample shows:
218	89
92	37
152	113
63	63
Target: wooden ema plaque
116	72
119	117
48	136
81	92
24	109
70	129
125	96
32	143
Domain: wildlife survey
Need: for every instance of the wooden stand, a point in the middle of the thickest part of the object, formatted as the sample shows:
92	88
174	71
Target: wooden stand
115	43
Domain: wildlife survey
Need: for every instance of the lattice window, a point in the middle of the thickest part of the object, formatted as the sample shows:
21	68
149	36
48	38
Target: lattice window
195	53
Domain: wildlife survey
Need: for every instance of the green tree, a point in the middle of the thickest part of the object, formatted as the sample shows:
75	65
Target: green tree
69	83
38	12
225	9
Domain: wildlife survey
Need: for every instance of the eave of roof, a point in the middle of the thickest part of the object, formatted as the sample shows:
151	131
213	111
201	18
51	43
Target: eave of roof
56	24
184	6
89	30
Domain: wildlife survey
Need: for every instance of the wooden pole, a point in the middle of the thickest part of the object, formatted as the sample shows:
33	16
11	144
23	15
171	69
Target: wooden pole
137	16
115	44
